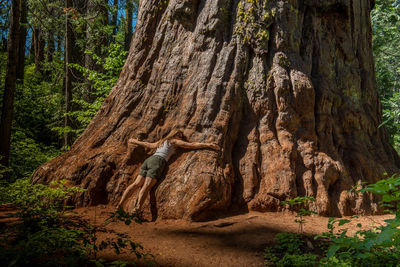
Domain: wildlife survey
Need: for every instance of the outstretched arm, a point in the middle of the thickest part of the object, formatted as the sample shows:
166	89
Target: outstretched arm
195	145
141	143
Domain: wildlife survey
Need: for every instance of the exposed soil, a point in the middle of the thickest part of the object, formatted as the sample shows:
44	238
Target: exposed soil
232	241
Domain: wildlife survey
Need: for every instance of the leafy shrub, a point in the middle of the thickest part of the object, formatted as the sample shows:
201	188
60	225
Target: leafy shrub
26	155
333	261
304	260
289	251
101	83
374	247
300	206
45	233
288	243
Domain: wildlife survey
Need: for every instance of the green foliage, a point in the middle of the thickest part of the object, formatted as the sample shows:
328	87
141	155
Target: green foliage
288	242
39	205
47	235
373	247
289	251
42	236
391	115
304	260
386	46
27	155
300	206
254	18
46	247
101	83
37	106
47	15
121	215
379	246
333	261
389	189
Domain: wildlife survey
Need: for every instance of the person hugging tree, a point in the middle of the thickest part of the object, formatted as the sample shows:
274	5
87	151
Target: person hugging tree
152	168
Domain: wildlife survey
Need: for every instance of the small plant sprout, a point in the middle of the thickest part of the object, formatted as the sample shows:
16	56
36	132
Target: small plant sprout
300	206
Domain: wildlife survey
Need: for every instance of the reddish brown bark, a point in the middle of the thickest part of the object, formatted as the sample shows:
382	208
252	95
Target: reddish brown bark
114	18
287	88
50	47
69	46
9	85
22	41
39	44
128	23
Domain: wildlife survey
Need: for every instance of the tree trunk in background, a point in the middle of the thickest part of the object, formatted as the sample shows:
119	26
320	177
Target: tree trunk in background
114	18
39	44
32	47
10	80
60	45
128	24
90	11
22	41
96	37
73	54
69	45
287	88
3	44
50	47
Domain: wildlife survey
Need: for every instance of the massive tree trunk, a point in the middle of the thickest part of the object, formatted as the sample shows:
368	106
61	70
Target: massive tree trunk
9	85
287	88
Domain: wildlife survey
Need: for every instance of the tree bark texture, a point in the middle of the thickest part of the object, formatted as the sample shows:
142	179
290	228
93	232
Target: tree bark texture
114	18
287	89
69	46
128	23
39	45
22	41
96	35
50	47
10	81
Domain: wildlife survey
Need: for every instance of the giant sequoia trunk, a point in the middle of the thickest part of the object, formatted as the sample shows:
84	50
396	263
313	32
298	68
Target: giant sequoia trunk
287	88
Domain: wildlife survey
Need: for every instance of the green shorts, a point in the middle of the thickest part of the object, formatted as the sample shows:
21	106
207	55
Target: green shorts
153	167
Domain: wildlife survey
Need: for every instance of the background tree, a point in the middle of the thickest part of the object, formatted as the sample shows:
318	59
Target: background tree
39	98
10	81
130	7
114	18
4	23
22	40
69	46
386	45
287	88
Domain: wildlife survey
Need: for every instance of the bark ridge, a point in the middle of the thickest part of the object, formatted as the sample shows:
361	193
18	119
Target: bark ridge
287	88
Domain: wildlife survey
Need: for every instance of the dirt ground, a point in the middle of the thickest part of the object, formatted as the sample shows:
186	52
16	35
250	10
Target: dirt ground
231	241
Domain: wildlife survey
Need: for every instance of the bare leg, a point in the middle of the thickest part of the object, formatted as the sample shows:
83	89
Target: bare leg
130	190
148	184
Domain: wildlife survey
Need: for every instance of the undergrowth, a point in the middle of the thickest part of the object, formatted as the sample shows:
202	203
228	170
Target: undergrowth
45	231
379	246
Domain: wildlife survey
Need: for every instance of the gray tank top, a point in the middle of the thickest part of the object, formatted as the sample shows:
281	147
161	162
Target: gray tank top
165	150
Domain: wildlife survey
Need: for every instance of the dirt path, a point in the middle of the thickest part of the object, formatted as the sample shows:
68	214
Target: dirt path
233	241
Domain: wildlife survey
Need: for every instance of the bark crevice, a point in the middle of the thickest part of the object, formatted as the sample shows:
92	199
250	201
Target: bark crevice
287	89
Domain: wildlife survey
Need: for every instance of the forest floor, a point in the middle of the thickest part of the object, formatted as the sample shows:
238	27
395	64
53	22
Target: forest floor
232	241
